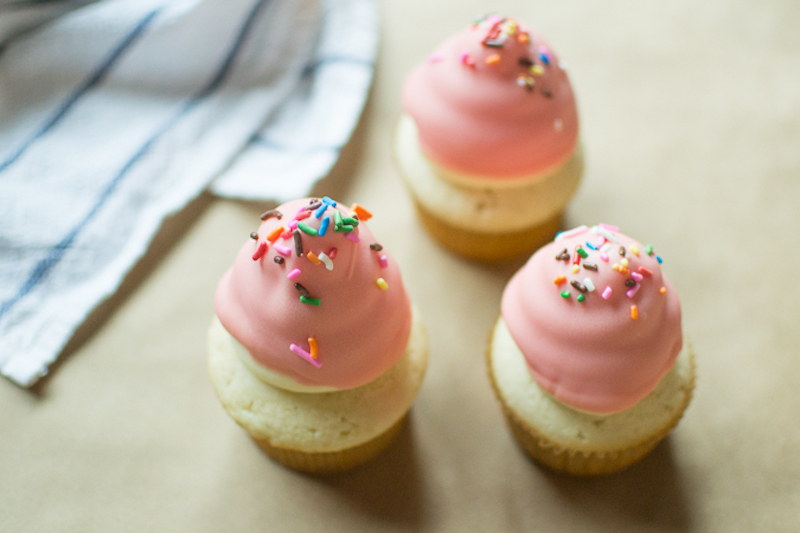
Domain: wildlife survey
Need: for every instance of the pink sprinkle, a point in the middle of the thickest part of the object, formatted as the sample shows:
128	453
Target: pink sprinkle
302	215
304	354
571	233
294	273
637	276
600	242
383	261
435	58
606	293
609	227
332	253
286	234
604	257
352	237
293	225
260	251
466	60
633	290
646	271
281	249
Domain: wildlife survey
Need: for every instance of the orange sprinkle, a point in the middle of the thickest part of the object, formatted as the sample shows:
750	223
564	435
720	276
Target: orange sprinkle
493	59
312	344
275	233
634	312
662	290
523	37
559	280
362	213
313	257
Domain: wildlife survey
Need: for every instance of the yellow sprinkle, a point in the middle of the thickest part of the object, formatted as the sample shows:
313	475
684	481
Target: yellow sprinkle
634	312
493	59
634	249
313	257
575	269
537	70
623	262
662	290
380	282
615	266
559	280
312	343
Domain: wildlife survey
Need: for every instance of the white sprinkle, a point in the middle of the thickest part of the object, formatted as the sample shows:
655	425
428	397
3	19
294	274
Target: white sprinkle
327	260
589	284
607	234
558	124
606	247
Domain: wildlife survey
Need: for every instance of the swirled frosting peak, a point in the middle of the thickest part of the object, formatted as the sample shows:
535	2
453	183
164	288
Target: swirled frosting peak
315	298
596	319
493	101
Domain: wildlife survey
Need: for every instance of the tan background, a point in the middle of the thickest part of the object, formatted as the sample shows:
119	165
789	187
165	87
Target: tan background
691	120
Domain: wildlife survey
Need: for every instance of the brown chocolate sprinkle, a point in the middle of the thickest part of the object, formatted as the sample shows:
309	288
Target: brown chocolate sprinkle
622	251
578	285
525	62
254	236
303	291
376	247
314	204
563	256
547	93
630	282
298	242
271	213
590	266
278	259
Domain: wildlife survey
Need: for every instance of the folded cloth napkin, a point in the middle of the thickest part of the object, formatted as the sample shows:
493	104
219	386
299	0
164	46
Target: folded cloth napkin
119	113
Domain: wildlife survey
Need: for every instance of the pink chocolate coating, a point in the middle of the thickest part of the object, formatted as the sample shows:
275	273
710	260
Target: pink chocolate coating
478	119
593	355
360	329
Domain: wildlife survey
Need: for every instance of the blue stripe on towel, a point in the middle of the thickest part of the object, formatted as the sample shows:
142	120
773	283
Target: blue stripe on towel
92	81
56	252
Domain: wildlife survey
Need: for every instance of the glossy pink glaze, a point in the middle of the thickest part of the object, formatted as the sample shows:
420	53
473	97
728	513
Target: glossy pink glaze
592	355
478	120
360	329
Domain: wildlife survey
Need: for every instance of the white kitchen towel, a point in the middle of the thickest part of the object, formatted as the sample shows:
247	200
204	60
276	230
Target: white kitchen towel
119	113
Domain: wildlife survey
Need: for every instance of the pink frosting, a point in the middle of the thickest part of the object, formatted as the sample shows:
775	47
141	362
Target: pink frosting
594	355
486	119
360	329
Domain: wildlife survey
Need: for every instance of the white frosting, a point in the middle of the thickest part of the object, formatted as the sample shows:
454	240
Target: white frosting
480	205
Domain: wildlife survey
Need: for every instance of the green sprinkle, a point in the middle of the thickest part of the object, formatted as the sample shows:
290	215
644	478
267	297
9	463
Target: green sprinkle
582	252
350	221
305	228
581	297
344	229
337	217
648	249
565	294
309	300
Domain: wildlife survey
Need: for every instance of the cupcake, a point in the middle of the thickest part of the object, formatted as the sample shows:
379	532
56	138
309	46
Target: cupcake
487	142
588	358
315	349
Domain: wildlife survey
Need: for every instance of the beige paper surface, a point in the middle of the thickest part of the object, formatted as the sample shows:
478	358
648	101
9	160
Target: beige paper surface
691	122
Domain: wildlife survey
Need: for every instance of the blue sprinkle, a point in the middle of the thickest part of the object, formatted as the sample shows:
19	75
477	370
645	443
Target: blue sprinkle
659	259
544	58
323	226
590	245
321	209
328	201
